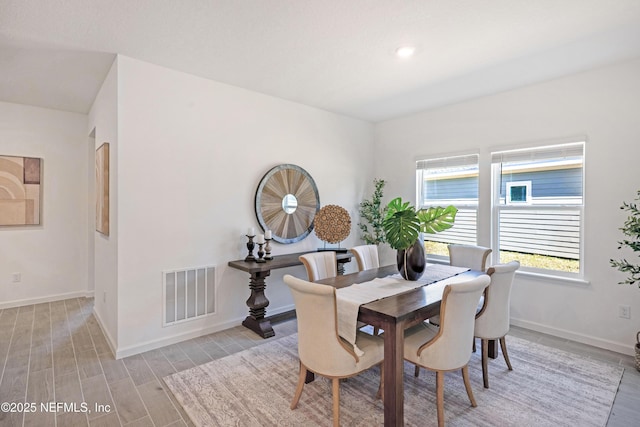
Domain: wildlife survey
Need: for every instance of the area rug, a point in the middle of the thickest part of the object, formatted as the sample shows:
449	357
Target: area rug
548	387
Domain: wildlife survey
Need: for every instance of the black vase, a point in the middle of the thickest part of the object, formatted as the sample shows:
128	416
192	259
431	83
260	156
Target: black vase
411	262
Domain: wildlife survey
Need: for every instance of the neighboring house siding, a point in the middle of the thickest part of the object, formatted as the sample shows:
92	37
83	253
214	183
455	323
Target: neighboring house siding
529	230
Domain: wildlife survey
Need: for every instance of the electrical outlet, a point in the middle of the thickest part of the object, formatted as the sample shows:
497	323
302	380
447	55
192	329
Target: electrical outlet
624	311
16	277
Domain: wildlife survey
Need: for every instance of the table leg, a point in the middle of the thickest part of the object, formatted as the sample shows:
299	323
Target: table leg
257	304
340	265
393	375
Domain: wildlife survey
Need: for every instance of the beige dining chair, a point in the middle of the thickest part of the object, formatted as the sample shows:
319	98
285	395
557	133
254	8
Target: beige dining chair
320	349
492	322
320	265
470	256
366	256
448	347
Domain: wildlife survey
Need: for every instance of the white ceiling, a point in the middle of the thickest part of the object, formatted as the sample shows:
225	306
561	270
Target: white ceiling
336	55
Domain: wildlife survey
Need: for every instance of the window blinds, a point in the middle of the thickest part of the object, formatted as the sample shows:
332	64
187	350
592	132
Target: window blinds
536	154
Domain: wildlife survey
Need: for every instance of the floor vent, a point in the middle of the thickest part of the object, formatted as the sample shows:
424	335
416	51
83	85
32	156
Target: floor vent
188	294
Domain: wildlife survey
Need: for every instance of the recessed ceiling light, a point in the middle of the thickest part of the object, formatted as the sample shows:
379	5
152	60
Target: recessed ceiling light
405	51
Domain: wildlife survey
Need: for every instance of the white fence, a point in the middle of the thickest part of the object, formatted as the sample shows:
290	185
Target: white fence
527	229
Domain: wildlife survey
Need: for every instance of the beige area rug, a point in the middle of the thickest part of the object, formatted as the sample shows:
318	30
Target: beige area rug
548	387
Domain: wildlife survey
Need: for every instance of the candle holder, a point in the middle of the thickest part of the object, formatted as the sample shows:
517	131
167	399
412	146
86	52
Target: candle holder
260	253
250	247
267	249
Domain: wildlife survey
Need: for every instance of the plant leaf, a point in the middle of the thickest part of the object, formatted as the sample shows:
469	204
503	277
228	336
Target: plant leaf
402	228
436	219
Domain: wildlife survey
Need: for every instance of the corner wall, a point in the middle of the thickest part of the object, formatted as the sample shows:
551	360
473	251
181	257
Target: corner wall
602	105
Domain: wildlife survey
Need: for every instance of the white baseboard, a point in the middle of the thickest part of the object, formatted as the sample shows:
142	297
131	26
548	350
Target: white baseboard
173	339
48	298
176	338
581	338
107	336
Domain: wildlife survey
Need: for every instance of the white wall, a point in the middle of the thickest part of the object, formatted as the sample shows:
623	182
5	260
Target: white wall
190	155
602	104
52	256
103	125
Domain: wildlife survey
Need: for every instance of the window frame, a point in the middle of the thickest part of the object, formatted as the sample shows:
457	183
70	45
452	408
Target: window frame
455	159
499	204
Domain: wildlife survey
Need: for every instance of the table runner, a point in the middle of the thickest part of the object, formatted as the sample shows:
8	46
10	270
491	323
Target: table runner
350	298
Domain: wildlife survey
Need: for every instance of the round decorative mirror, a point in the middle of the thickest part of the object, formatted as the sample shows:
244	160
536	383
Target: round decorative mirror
286	203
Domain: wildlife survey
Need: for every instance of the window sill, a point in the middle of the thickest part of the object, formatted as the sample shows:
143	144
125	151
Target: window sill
554	278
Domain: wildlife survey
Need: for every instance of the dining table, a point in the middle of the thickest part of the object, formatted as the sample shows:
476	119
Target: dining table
394	314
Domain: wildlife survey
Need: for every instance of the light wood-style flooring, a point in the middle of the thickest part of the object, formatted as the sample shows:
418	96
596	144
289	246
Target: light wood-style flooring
55	353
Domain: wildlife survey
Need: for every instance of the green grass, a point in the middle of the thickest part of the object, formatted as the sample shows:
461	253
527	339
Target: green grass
526	260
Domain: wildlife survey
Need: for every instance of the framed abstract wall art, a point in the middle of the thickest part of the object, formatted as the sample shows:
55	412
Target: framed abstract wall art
102	189
20	188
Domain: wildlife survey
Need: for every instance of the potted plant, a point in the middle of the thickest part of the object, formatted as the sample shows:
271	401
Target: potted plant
631	229
373	213
403	225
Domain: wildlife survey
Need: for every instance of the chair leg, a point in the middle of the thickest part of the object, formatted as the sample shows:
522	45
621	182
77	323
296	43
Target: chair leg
440	397
503	346
416	371
301	379
376	330
485	358
467	385
473	348
336	401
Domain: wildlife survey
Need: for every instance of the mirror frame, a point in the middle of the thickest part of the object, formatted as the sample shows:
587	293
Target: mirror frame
274	186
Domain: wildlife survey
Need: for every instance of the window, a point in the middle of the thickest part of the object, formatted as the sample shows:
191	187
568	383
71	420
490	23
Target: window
518	192
538	207
450	181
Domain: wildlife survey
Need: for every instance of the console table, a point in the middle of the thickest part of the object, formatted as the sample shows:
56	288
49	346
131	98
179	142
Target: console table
258	302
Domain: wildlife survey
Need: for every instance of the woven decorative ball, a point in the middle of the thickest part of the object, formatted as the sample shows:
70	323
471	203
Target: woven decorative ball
332	224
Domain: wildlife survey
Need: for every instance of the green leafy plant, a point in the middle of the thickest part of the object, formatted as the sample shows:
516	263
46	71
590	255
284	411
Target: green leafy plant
403	224
631	229
373	213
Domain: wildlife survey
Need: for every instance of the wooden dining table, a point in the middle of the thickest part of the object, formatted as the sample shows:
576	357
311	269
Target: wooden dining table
394	314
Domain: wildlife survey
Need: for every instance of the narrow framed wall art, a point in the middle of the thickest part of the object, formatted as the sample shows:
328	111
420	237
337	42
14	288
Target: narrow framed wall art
20	188
102	189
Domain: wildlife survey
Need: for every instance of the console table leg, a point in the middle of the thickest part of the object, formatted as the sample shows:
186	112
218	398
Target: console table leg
257	304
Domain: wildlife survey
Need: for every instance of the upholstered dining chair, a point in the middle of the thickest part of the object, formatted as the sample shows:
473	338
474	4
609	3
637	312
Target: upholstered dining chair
492	322
320	265
320	349
470	256
366	256
448	347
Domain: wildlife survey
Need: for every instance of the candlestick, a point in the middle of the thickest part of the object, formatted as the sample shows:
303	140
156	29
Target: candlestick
260	253
251	231
260	239
267	235
250	246
267	249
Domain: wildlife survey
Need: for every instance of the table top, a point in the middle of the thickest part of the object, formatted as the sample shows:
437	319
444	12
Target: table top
279	261
419	302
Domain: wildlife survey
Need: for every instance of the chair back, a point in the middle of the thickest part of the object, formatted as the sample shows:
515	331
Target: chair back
319	346
470	256
366	256
451	347
492	321
320	265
